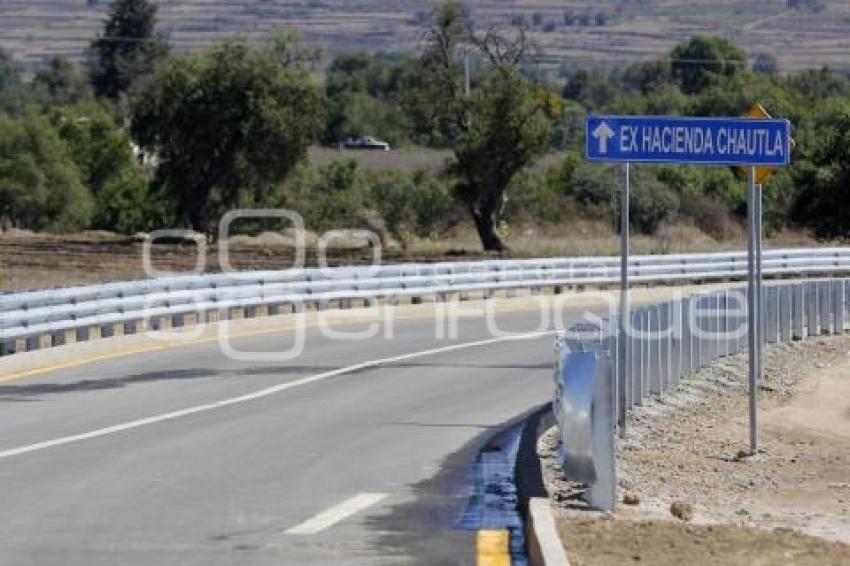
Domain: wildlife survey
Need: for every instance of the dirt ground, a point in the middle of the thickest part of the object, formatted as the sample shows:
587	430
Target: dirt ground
43	262
789	504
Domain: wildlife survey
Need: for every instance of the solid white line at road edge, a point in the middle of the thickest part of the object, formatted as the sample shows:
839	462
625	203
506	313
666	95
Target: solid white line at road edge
335	514
11	452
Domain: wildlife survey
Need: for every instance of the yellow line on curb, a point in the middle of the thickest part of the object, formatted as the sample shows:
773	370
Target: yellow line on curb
493	548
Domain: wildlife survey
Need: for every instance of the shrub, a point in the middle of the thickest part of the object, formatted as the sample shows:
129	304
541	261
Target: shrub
40	186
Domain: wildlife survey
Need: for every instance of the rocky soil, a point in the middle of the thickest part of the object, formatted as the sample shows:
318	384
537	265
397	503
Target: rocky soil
790	503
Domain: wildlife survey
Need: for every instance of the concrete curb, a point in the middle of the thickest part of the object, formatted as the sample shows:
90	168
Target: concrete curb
544	545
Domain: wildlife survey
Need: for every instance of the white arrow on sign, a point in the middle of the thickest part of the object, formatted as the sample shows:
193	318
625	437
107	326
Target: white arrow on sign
603	133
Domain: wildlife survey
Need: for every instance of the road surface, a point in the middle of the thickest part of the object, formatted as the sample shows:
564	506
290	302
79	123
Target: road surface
356	452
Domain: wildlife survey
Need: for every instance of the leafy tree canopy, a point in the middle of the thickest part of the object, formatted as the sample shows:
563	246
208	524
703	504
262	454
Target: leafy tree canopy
40	186
128	48
227	124
103	154
702	61
498	129
61	83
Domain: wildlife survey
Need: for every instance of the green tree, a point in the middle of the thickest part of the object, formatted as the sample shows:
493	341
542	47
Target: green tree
228	124
12	93
819	83
498	129
61	83
10	72
702	61
363	93
825	181
647	77
765	64
128	48
593	89
103	154
40	187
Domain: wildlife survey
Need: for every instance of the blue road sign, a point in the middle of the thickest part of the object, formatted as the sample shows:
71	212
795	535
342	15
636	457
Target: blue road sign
706	141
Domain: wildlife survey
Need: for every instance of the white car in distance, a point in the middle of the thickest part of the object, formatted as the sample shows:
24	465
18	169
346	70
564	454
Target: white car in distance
366	142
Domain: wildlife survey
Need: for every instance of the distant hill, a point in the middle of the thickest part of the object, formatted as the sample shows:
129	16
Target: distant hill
799	33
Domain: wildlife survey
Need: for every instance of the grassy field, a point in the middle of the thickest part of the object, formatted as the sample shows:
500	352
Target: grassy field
633	30
404	158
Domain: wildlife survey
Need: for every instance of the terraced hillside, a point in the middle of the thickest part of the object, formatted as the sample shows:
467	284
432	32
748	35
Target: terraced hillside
604	31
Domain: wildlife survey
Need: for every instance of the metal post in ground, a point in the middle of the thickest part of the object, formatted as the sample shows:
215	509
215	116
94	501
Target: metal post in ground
754	312
624	353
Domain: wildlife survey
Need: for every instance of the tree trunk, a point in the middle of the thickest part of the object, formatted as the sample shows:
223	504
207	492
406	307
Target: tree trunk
485	223
193	210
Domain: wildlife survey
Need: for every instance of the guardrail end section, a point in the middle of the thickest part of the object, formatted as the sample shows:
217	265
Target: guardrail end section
585	415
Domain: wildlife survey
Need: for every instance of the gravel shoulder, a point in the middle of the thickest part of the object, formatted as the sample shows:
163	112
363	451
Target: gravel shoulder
789	504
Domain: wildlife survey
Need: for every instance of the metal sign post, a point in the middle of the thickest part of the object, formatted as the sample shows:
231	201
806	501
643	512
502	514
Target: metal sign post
754	299
751	143
623	354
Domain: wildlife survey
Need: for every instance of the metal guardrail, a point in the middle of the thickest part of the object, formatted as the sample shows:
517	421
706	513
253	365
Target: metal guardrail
40	319
666	342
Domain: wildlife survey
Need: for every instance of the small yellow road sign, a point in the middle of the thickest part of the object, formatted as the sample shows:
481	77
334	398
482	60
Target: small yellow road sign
762	171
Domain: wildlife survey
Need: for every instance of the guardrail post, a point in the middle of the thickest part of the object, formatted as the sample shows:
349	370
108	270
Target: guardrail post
838	306
7	347
714	301
620	389
785	306
811	309
743	322
642	353
699	332
723	322
635	361
676	343
667	352
160	322
824	307
740	339
847	298
798	302
845	283
82	334
687	338
654	351
772	314
62	337
112	329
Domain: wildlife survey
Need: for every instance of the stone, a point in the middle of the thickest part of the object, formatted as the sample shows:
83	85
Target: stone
682	510
631	499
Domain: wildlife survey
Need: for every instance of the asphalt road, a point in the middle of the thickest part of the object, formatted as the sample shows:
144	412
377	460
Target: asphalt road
135	460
